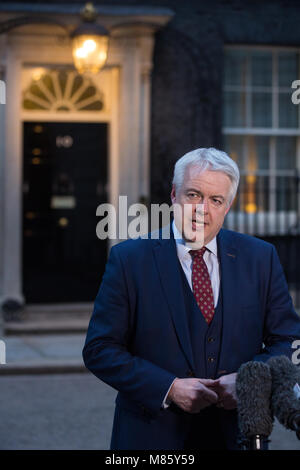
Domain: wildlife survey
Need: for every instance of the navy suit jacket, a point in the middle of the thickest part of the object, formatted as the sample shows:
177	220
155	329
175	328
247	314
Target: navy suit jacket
138	337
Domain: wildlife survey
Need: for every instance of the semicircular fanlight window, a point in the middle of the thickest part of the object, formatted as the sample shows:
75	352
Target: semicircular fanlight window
62	90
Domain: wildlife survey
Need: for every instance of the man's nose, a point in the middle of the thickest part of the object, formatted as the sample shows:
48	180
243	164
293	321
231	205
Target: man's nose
202	207
205	206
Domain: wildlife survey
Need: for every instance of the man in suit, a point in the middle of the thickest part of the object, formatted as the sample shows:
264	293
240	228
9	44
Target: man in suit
175	317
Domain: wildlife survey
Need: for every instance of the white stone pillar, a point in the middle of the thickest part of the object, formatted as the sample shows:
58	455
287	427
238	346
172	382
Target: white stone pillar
146	48
135	46
2	153
12	183
129	123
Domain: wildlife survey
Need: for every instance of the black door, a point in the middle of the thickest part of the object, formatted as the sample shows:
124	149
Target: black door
64	180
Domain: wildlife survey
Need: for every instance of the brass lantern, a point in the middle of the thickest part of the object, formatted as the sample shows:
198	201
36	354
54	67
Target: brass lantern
89	42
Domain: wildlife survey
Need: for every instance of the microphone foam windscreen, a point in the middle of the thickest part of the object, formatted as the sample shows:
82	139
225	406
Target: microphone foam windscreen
285	375
253	388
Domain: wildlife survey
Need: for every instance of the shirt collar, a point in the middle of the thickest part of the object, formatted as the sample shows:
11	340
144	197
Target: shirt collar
180	243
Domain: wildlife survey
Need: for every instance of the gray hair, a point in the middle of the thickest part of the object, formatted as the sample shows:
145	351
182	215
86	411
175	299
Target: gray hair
207	159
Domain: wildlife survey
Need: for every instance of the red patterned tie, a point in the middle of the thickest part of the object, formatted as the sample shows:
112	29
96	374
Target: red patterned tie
202	285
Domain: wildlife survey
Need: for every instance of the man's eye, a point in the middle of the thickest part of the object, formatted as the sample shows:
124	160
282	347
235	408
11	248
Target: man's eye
217	201
191	195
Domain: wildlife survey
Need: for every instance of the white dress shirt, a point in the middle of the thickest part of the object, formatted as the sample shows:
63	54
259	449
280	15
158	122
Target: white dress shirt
210	257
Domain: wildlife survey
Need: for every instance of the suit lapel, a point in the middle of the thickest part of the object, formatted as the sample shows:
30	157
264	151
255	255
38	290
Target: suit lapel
168	267
229	280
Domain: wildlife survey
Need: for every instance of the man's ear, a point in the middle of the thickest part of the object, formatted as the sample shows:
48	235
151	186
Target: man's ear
173	194
228	208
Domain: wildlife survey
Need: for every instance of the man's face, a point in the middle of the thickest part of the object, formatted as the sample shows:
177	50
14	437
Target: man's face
211	189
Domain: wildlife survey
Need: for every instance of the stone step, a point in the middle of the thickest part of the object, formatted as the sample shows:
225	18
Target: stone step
44	319
56	309
44	367
72	326
42	354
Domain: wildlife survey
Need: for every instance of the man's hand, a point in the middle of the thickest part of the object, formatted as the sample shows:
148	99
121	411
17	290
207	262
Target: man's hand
225	388
192	395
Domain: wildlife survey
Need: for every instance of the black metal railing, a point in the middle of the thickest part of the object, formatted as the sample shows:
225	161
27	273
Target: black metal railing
268	207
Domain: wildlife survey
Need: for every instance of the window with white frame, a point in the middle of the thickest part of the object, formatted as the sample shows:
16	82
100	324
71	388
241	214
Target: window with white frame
261	129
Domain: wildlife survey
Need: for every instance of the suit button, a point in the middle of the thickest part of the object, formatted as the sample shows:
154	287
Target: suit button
210	339
190	373
210	359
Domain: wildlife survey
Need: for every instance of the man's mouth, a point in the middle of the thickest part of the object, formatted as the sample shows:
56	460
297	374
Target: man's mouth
198	224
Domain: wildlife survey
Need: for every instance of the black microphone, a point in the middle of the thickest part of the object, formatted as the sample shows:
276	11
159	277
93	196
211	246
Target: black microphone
285	399
253	388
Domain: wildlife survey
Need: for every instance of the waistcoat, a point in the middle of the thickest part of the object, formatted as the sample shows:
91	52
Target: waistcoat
205	339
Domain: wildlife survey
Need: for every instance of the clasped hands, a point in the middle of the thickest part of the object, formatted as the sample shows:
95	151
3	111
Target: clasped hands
192	395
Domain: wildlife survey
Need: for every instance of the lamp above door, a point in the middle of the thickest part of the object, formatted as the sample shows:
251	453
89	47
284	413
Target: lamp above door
89	39
89	42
